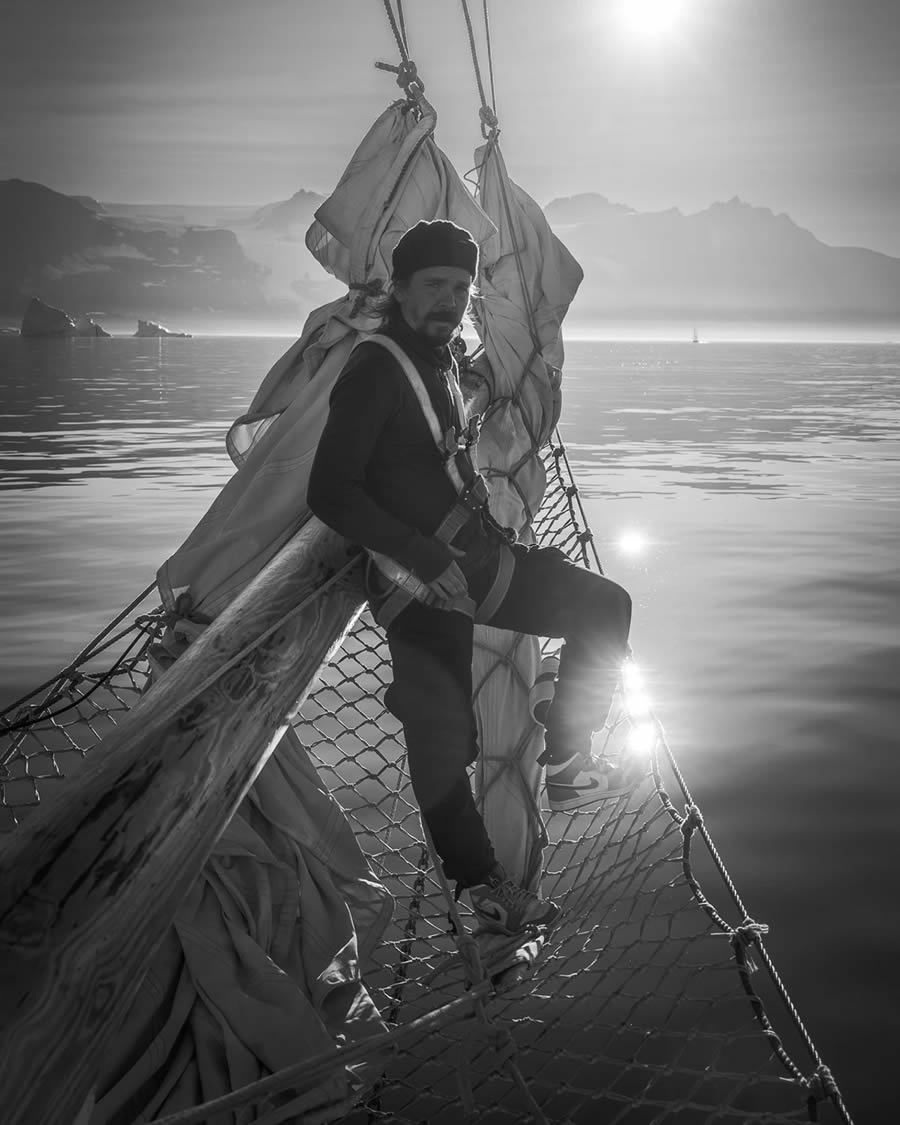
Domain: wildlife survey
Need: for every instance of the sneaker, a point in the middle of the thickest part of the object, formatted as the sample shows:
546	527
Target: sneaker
544	688
503	907
584	780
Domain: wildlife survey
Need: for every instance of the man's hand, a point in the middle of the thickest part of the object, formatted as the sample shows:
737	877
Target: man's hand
450	583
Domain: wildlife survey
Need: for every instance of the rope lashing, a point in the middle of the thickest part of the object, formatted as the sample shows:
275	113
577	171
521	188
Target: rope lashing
822	1087
371	288
407	79
693	819
365	291
490	126
749	932
744	937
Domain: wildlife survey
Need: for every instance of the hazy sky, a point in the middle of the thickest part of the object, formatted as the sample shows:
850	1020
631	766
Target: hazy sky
791	104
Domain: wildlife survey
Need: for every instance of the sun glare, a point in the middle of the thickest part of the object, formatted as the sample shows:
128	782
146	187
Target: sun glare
650	20
632	542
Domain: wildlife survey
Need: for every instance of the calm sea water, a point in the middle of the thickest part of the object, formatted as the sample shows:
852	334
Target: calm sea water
746	494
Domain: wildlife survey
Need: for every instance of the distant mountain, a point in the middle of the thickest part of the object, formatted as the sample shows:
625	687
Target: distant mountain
290	216
730	261
72	254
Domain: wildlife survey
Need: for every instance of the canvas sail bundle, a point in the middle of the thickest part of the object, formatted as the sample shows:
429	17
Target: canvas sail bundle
397	176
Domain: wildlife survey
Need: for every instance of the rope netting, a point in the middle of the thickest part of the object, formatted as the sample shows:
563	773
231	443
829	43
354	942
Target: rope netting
642	1005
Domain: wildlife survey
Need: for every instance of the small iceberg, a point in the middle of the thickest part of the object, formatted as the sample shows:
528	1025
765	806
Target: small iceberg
151	328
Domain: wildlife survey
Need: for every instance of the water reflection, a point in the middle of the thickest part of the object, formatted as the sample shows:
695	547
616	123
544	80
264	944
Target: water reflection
737	418
762	479
73	410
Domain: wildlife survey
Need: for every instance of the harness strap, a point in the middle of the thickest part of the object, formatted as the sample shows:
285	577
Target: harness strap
471	498
449	444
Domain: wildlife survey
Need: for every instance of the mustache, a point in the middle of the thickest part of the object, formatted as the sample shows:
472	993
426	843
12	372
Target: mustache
443	318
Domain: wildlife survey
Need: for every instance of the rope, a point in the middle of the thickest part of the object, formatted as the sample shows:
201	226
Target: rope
473	967
204	685
407	76
321	1066
490	53
85	654
399	35
70	676
748	933
489	124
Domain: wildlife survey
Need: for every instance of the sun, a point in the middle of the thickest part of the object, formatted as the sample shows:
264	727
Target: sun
650	20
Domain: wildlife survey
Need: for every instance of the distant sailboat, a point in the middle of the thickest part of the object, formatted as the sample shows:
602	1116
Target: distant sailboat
695	339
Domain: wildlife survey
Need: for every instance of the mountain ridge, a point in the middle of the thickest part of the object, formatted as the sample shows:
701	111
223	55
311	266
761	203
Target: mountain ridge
730	260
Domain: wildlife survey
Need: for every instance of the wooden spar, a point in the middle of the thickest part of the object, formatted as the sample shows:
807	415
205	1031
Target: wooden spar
90	883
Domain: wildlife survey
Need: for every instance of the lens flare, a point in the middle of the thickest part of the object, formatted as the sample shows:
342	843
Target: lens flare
632	542
642	736
650	20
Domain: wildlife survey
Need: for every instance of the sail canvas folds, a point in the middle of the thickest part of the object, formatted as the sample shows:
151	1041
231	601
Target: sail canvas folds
396	177
525	289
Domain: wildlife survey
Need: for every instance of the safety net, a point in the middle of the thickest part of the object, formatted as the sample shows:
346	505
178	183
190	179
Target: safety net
653	999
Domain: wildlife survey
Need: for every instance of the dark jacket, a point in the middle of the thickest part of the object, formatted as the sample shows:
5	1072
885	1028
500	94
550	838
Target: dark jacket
378	478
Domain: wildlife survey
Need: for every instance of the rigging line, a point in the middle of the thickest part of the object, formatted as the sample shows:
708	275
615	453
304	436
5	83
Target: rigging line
303	1075
210	680
69	678
40	713
472	48
398	36
725	876
86	653
490	54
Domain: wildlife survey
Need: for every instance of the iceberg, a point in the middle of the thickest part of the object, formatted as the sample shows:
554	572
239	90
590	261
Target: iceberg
41	319
151	328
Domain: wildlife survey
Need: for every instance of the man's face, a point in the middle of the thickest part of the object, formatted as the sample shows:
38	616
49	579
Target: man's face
434	300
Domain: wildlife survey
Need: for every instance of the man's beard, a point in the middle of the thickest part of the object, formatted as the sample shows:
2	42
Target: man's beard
441	326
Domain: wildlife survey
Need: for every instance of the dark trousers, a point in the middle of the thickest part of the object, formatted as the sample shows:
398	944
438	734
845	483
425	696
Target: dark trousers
431	651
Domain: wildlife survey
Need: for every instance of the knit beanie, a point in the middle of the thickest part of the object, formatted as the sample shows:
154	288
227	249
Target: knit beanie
439	243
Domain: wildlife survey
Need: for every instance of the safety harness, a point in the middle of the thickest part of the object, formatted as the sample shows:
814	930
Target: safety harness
454	445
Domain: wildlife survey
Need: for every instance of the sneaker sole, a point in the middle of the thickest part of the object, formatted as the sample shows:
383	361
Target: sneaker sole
591	797
485	925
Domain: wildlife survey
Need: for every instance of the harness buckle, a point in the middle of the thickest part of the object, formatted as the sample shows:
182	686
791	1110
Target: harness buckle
472	432
474	497
455	441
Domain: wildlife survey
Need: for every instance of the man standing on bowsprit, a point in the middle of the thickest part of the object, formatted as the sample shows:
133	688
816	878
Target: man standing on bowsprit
394	473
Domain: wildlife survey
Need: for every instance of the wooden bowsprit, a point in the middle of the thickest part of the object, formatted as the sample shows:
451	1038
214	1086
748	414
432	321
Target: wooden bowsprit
90	884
